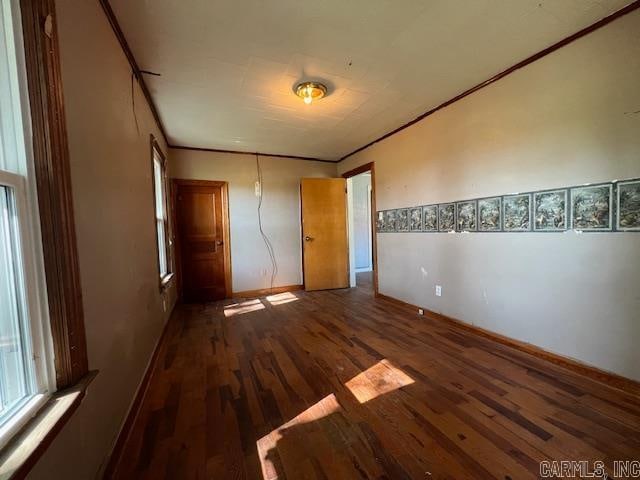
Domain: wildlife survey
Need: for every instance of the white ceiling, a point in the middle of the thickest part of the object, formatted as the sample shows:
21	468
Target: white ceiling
228	67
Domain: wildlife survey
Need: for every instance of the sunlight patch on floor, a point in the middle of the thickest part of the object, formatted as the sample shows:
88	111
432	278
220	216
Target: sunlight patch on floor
282	298
267	444
377	380
243	307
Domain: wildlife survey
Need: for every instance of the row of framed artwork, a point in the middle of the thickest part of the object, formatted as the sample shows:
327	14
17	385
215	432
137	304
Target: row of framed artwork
603	207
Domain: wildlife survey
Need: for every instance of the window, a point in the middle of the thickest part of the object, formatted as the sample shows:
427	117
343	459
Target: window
25	360
162	223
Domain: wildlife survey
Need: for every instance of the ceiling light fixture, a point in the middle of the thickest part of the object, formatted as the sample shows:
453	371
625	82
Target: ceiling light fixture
310	91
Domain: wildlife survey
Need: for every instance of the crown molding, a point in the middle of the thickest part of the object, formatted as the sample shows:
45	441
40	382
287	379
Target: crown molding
527	61
240	152
115	26
536	56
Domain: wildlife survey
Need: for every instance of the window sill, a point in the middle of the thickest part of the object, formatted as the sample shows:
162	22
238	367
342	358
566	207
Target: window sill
28	445
166	281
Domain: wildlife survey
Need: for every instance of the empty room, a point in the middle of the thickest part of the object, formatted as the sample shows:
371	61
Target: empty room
300	239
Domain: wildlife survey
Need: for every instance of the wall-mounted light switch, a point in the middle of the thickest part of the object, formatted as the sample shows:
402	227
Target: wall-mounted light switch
438	290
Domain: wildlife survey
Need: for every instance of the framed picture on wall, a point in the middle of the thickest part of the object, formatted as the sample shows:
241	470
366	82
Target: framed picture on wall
402	220
467	216
390	221
628	215
550	211
517	213
380	222
430	218
490	214
415	219
446	217
591	207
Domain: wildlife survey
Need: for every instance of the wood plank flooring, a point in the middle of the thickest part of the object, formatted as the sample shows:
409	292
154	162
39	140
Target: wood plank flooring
339	385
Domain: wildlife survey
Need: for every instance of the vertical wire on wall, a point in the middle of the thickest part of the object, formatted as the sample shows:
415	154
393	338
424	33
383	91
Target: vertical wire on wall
265	238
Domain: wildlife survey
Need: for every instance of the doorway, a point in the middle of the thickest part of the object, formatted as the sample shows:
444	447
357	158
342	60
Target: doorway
361	220
202	241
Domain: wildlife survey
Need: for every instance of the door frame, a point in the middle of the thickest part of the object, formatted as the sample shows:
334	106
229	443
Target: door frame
370	167
176	183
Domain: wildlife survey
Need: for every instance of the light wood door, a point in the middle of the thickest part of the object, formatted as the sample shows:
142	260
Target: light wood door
324	233
203	237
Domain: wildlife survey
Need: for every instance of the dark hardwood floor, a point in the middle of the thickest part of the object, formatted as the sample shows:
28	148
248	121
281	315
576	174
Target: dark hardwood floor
339	385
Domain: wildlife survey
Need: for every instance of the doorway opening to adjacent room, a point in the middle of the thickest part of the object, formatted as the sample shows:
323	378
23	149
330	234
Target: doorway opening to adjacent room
363	271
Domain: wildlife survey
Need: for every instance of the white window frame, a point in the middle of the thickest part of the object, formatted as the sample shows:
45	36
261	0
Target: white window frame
15	126
161	217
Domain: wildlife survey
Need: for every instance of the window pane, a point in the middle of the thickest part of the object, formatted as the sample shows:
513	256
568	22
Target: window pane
162	251
157	178
15	379
11	134
161	214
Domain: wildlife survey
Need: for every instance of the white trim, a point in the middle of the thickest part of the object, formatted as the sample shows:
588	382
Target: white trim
370	229
160	202
12	180
38	291
364	269
29	215
351	233
18	157
351	230
24	412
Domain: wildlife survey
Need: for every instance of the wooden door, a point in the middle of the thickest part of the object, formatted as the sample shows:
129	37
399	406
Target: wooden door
203	240
324	233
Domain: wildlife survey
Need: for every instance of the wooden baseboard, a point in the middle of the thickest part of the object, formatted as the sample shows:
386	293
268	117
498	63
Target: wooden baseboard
129	421
608	378
267	291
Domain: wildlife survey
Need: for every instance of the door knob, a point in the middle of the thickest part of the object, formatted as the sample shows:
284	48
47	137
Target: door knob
308	238
219	242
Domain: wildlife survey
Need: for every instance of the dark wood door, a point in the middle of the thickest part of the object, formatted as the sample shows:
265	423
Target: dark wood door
201	214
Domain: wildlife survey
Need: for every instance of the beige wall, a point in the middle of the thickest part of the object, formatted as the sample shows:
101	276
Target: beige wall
561	121
250	264
564	120
112	193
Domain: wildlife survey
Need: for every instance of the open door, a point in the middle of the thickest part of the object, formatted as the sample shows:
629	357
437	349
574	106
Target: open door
325	246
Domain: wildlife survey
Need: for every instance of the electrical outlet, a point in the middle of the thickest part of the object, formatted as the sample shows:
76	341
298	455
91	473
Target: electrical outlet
438	290
420	311
258	188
